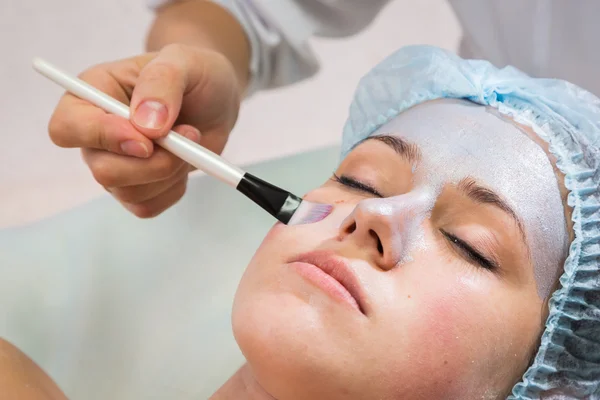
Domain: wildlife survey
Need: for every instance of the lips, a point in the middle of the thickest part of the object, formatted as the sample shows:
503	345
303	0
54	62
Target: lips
333	274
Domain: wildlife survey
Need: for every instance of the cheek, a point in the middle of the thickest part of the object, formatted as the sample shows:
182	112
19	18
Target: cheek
272	235
468	336
454	304
445	333
284	241
447	327
330	195
268	284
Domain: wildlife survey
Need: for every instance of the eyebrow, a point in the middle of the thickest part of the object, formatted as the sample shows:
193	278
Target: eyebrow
406	150
468	186
482	195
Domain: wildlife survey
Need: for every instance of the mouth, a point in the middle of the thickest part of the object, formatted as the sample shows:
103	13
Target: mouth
333	275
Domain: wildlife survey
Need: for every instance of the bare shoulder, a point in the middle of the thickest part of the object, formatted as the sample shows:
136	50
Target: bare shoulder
23	379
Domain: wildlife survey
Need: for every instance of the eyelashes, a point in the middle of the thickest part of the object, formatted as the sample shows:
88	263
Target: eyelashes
356	185
465	250
469	253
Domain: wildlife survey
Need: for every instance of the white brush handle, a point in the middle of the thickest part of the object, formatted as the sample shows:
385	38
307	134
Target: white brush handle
182	147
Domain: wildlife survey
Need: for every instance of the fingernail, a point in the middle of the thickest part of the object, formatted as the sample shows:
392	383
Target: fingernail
193	134
151	115
135	148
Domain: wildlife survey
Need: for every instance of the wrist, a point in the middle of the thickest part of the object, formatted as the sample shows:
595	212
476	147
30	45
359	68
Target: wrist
206	25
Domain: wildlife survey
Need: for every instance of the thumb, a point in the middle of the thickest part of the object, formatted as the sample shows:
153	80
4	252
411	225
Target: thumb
158	93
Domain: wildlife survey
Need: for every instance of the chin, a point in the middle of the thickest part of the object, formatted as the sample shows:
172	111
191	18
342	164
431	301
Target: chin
296	355
287	343
273	342
270	327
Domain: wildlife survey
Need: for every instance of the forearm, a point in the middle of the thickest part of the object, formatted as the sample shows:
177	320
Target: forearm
204	24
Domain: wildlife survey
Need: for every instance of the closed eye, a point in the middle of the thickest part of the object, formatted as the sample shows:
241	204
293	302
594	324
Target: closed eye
356	185
470	253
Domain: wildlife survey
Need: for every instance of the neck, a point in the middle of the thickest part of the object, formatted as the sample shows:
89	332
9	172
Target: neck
242	385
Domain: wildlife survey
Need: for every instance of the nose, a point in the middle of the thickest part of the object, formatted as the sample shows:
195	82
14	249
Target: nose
386	228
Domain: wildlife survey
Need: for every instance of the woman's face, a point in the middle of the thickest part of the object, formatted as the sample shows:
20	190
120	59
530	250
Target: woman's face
421	284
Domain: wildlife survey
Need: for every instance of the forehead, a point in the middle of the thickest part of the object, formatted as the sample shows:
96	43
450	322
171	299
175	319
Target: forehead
459	139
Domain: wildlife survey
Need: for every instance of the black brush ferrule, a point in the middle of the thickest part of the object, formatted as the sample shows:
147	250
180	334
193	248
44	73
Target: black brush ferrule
278	202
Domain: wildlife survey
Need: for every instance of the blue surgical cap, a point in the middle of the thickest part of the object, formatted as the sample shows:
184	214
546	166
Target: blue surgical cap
567	363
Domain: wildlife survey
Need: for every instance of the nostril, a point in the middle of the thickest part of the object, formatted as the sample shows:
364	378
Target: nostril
351	228
376	237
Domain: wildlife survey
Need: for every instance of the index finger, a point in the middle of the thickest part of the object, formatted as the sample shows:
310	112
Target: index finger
78	123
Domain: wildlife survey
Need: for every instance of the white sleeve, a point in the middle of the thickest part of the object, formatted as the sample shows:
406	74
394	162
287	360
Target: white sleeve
279	33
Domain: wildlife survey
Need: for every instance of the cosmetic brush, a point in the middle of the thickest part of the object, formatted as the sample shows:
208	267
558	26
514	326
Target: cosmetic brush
283	205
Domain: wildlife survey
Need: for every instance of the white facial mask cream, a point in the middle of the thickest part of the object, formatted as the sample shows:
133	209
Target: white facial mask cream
401	216
459	139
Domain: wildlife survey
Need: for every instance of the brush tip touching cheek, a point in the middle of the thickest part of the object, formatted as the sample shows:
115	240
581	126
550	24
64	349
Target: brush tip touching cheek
309	212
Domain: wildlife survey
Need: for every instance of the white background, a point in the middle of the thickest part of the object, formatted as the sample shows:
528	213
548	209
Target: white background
38	179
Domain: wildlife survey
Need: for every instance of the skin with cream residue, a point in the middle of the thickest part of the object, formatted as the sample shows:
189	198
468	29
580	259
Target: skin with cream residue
404	214
441	243
527	183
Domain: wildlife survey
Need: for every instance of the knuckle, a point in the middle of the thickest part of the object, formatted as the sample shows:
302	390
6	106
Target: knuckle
93	73
103	173
57	129
143	211
168	166
220	60
95	129
175	49
178	192
181	187
162	71
124	195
